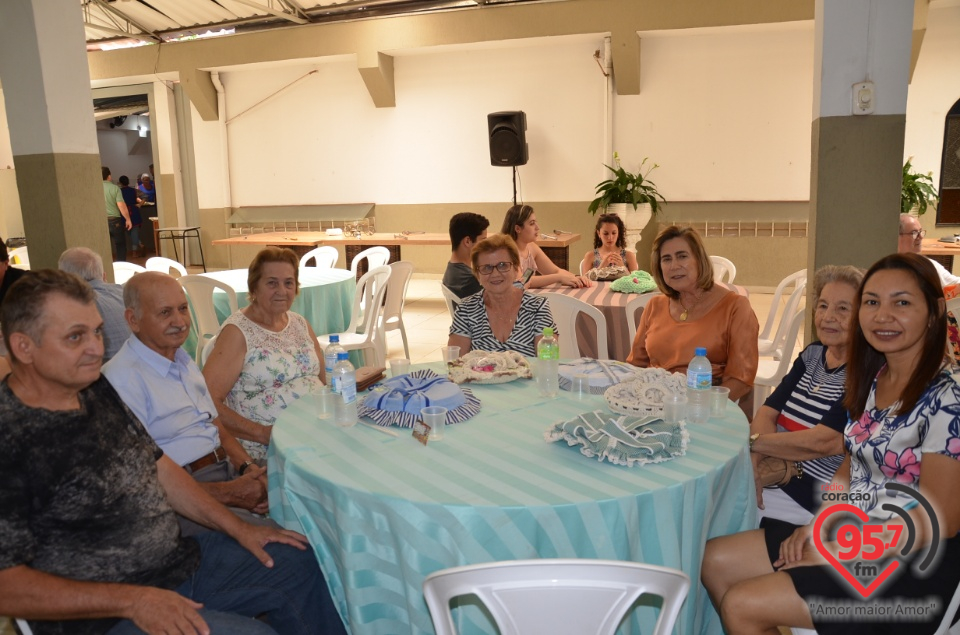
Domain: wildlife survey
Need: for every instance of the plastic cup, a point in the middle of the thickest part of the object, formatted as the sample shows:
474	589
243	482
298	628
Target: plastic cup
719	396
450	353
326	402
580	386
674	408
436	418
399	366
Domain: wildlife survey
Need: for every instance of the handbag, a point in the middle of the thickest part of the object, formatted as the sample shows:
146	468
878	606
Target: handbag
773	472
368	375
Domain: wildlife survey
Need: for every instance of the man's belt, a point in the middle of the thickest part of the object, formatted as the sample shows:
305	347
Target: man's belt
214	457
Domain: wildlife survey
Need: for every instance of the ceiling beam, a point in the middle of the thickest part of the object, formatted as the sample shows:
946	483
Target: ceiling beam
280	14
123	16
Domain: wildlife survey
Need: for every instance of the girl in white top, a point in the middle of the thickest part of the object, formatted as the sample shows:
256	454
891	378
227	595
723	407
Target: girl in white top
520	224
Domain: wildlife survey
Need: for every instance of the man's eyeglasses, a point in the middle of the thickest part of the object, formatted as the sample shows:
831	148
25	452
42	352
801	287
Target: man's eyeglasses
502	267
917	233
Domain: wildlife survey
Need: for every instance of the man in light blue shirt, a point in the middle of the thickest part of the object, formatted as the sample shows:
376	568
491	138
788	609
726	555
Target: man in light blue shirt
88	265
165	389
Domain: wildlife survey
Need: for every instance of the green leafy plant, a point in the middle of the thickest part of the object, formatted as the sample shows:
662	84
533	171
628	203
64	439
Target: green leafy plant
625	187
917	190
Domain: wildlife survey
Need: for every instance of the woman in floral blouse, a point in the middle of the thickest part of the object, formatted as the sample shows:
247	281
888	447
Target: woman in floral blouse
903	401
266	356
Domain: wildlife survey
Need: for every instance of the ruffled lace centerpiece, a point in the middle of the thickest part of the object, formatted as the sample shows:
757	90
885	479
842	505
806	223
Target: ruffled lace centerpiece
622	440
398	400
644	395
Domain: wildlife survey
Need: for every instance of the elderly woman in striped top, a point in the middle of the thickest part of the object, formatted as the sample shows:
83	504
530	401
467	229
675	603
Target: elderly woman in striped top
502	317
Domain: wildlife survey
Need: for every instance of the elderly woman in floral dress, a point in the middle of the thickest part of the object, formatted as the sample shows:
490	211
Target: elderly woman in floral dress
265	356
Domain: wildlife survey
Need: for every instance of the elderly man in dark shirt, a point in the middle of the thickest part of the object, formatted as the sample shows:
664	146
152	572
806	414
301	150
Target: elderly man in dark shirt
89	541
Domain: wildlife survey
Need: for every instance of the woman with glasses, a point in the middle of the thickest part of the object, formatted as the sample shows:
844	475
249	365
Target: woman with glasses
502	317
521	225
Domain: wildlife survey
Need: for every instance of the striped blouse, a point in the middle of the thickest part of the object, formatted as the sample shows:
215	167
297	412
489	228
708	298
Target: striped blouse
811	394
533	316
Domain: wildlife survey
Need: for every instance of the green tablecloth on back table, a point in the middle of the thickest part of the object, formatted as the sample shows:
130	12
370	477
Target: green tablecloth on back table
325	298
382	513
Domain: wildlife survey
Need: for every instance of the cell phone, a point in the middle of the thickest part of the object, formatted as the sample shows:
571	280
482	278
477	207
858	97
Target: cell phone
525	278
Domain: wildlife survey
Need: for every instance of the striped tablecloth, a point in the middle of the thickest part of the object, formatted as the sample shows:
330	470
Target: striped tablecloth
613	306
384	512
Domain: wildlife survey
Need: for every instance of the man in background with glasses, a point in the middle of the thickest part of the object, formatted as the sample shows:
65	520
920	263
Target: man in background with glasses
911	239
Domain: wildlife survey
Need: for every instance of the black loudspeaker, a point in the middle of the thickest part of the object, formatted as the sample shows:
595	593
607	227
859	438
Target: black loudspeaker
508	143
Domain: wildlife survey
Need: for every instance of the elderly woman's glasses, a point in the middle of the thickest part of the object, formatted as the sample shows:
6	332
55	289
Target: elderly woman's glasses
502	267
916	233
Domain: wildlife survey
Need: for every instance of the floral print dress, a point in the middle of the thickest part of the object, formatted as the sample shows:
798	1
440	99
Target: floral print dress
889	448
278	369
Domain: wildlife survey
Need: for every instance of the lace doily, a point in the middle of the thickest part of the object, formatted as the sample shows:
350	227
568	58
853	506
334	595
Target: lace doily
644	395
487	367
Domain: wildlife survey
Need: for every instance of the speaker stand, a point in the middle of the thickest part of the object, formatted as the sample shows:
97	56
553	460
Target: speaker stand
514	186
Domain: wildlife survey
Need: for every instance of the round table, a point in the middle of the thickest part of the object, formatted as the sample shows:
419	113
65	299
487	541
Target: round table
383	512
325	298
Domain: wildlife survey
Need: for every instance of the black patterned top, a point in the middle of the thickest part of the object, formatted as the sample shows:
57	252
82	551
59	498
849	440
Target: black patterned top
533	316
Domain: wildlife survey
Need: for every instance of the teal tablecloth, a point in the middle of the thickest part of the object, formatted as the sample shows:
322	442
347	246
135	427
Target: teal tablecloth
382	513
325	299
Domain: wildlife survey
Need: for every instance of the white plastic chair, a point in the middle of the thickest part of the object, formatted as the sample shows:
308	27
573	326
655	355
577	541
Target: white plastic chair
631	309
206	349
123	271
565	311
364	330
770	372
164	265
451	298
770	342
21	256
200	290
376	257
324	257
723	267
560	597
24	628
392	319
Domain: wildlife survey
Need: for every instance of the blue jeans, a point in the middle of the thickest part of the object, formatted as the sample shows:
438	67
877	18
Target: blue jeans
118	236
292	596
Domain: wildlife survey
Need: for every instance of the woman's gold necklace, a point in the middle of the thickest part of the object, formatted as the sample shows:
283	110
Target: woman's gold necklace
686	311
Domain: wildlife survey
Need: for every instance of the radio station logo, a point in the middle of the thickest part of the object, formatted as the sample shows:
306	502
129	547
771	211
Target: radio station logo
861	545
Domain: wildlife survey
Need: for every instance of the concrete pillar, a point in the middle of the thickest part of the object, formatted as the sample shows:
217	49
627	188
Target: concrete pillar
856	160
46	88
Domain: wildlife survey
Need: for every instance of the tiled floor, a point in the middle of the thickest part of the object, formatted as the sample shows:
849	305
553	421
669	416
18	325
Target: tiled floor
428	322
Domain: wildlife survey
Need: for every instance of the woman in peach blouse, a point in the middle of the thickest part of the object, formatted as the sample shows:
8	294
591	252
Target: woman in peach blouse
692	312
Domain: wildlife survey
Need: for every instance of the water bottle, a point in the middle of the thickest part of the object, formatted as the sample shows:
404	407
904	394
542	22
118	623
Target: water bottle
345	385
548	363
330	356
699	382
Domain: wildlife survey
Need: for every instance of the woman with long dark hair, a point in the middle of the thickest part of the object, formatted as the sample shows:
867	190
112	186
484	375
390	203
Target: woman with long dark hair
903	402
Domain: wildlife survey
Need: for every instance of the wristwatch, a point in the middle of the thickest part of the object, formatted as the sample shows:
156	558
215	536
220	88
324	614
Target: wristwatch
753	439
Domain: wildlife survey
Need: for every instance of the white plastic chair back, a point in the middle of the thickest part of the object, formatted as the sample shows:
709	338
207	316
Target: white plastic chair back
324	257
376	257
452	299
948	615
123	271
364	331
164	265
200	290
24	627
631	309
767	338
565	311
560	597
206	349
392	319
21	256
770	372
723	269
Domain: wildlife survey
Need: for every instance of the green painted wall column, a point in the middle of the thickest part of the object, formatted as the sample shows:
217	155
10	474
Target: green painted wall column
52	131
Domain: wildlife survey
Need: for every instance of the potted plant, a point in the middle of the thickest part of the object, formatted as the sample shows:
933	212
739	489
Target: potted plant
632	196
916	190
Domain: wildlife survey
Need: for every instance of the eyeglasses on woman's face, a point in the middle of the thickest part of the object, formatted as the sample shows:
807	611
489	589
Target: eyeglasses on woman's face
502	267
915	234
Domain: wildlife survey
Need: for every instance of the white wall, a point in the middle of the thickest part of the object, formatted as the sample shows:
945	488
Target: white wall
122	151
934	89
725	114
11	219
